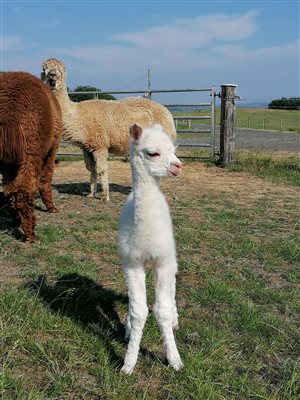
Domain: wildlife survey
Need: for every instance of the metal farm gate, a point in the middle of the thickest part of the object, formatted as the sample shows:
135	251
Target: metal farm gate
186	125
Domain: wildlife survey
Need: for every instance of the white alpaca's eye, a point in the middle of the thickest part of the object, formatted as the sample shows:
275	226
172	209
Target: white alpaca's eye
153	154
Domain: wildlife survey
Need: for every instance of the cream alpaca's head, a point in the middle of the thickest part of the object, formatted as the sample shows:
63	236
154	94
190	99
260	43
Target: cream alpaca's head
154	151
54	74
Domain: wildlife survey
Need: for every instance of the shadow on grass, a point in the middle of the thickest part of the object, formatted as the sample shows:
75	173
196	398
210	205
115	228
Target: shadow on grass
88	304
9	220
84	188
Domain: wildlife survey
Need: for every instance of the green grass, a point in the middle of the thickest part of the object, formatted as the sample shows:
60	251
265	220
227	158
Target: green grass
255	118
280	168
238	300
280	120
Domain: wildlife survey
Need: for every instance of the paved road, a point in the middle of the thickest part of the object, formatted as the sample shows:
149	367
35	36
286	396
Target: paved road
267	140
257	140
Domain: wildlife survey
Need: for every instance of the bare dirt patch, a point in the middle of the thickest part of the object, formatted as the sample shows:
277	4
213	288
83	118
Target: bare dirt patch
71	185
196	179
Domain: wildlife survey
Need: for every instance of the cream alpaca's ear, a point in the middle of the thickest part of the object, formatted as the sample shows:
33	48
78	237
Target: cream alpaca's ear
158	127
136	133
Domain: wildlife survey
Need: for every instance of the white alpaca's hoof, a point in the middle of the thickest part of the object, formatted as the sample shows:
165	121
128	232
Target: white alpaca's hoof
91	195
176	364
127	369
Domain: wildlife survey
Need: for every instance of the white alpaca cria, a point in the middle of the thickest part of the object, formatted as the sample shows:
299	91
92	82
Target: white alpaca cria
146	234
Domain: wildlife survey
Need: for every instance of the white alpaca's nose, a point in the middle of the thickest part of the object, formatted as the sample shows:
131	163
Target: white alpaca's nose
175	168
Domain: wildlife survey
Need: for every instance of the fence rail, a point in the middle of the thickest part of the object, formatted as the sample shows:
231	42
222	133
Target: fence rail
143	91
227	124
179	119
280	124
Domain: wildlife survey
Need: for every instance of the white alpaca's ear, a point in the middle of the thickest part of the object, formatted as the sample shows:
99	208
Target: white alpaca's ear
136	133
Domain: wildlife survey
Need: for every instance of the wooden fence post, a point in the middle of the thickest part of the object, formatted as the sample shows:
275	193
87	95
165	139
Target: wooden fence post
228	120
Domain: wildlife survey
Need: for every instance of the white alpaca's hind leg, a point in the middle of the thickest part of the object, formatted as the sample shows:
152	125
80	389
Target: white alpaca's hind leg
138	312
128	324
164	309
175	323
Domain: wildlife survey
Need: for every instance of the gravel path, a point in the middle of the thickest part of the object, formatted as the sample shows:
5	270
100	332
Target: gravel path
267	140
256	140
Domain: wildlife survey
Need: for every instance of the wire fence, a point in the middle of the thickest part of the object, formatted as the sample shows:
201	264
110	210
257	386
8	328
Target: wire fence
265	123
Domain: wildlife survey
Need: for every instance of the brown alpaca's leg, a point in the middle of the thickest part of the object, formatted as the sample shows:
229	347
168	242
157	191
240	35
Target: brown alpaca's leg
23	203
45	183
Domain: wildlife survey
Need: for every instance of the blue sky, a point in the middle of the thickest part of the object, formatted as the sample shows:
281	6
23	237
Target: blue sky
111	44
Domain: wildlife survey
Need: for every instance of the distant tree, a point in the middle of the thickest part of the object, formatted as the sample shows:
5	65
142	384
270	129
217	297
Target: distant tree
291	103
81	97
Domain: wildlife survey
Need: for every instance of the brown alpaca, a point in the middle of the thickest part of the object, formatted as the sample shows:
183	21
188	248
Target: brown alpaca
30	133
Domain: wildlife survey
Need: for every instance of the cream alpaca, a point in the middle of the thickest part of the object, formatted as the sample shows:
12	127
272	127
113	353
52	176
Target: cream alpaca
146	235
100	127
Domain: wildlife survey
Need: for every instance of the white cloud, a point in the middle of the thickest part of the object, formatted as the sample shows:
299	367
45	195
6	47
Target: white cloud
124	60
184	45
205	48
193	33
14	44
11	43
239	55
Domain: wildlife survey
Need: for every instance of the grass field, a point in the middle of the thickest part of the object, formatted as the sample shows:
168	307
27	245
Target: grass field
277	167
255	118
63	299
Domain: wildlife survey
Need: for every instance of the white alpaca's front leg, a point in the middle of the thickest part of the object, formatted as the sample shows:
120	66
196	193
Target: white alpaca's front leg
164	311
137	315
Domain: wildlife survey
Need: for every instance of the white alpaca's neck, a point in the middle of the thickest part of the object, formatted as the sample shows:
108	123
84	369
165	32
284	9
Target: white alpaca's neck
141	180
146	191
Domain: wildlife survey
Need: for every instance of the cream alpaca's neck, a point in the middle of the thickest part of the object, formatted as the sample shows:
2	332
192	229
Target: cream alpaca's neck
72	124
63	98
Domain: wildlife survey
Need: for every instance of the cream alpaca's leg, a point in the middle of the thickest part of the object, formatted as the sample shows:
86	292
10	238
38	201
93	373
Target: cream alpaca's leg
93	184
91	166
164	281
137	315
102	169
